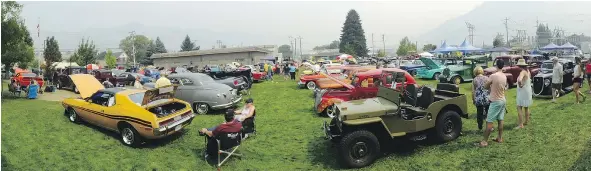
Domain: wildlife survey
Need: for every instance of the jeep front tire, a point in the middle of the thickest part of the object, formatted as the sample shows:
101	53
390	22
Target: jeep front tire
359	149
448	126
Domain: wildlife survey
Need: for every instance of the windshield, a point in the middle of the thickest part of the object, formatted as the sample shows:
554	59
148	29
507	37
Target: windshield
29	74
548	66
137	98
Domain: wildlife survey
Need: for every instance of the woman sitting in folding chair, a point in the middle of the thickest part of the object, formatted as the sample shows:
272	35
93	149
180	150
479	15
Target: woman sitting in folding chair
246	112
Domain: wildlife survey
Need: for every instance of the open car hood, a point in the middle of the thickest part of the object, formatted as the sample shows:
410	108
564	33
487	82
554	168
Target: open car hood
155	94
429	63
86	84
349	86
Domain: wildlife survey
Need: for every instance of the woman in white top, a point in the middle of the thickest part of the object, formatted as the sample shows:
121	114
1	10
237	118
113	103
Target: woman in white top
137	84
578	80
246	112
524	94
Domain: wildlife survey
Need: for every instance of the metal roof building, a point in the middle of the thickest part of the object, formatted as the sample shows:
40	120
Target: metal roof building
244	55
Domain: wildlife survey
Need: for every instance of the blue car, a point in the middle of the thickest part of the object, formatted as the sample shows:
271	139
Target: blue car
412	67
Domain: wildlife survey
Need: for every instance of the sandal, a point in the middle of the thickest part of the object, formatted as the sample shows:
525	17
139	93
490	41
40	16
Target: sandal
479	144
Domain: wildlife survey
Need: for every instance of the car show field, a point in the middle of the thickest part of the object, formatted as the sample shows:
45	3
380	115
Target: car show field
37	136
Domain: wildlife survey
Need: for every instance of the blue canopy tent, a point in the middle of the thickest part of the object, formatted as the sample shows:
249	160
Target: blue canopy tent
444	48
467	47
567	45
550	46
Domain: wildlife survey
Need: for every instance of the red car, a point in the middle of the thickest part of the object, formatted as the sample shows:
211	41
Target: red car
363	85
257	76
511	70
23	79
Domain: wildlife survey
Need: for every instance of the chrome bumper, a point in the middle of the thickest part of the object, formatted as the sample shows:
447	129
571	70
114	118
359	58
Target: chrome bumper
227	105
164	130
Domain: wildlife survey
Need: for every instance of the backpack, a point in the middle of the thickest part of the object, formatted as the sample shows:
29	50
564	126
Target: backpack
588	68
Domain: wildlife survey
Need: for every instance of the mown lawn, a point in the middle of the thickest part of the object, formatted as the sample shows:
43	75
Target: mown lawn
37	136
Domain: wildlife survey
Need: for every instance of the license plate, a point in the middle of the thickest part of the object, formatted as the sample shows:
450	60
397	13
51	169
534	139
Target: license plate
178	127
176	118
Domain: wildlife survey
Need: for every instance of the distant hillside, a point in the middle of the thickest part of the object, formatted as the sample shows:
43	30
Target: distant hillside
573	17
171	36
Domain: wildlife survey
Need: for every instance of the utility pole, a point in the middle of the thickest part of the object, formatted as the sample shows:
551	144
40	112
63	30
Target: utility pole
292	45
507	31
133	47
373	48
470	31
43	50
300	37
384	43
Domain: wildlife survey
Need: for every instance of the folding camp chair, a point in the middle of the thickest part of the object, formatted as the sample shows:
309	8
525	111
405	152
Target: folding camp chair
227	143
249	126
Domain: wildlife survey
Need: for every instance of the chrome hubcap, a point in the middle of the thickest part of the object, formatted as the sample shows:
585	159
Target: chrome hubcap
72	116
127	136
359	150
330	111
311	85
202	108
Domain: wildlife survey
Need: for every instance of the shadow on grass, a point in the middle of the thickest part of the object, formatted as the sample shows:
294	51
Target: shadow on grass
5	164
584	161
325	152
148	143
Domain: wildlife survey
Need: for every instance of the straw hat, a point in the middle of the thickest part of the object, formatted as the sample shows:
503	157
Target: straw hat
521	62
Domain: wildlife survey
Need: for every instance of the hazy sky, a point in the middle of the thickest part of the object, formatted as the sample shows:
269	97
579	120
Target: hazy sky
317	22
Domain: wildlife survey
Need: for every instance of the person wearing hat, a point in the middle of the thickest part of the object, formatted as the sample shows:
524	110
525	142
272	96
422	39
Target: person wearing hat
557	74
246	112
162	81
524	94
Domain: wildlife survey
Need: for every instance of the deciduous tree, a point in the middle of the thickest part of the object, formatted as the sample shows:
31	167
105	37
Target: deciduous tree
17	44
429	47
142	44
110	60
85	54
405	47
51	53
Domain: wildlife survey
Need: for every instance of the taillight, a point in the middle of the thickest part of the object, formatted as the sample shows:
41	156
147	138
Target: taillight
235	82
166	122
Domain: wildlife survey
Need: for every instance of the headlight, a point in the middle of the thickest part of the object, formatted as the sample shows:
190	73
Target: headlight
546	82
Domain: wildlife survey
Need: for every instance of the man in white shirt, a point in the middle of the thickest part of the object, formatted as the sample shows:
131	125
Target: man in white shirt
557	74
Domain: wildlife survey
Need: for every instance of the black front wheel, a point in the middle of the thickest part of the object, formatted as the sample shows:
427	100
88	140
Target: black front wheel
359	149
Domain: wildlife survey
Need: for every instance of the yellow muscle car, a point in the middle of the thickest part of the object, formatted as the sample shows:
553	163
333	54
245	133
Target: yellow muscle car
136	114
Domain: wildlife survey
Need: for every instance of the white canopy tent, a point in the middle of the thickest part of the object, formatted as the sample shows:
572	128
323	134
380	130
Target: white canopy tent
62	65
425	54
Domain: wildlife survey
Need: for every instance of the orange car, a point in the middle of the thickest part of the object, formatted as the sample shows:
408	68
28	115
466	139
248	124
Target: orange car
310	81
348	73
23	79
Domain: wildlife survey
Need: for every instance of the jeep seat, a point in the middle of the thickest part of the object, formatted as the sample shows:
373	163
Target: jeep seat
426	98
410	95
448	87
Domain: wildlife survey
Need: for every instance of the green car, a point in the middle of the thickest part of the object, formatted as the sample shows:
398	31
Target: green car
362	127
463	71
434	67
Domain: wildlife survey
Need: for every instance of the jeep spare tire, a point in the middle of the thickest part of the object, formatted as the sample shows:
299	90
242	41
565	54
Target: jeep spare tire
448	126
359	149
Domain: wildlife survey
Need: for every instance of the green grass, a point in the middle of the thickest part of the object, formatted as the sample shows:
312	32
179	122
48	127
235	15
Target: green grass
37	136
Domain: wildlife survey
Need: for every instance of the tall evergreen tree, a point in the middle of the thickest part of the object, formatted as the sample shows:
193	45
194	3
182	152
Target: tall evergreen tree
353	35
187	45
159	46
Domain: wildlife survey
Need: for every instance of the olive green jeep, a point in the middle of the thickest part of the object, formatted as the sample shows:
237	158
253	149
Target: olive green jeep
361	126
